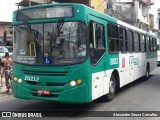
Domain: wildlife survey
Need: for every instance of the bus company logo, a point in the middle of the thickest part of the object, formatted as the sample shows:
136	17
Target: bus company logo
123	62
133	60
113	61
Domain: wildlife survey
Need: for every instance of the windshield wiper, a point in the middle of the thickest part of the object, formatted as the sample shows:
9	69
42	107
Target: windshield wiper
59	27
56	32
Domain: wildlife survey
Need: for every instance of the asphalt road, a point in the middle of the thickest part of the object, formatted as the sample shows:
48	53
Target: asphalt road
140	95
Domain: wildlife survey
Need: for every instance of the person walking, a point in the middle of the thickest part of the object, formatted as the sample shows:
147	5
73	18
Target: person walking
7	72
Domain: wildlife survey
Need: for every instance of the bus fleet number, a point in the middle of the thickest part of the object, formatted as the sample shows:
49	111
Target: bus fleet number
31	78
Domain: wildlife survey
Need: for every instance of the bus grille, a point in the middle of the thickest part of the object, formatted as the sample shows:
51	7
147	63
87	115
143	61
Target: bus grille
55	84
47	84
45	73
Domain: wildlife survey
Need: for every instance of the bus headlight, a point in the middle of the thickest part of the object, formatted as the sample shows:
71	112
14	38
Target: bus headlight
72	83
19	80
15	78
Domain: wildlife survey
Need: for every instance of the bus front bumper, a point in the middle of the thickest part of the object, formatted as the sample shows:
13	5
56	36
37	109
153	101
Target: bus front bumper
77	94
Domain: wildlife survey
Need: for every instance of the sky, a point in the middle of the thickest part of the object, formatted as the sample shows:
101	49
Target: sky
6	9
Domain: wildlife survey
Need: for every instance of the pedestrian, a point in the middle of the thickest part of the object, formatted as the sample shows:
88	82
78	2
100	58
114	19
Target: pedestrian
1	66
7	69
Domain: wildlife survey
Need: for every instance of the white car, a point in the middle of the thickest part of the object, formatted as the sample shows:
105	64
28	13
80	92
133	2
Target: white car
3	50
10	50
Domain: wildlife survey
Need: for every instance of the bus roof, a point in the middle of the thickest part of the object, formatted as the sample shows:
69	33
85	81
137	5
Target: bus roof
92	12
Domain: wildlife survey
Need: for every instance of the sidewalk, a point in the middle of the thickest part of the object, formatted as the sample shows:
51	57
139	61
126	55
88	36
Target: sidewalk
3	93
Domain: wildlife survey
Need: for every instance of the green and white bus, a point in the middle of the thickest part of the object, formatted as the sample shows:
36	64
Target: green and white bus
73	53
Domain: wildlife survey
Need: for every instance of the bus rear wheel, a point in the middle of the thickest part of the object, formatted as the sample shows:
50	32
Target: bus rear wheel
112	89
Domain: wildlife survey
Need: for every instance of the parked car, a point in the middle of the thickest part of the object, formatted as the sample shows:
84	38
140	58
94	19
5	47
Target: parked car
10	50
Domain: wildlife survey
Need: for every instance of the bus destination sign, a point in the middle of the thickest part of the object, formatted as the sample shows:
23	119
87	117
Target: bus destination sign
49	12
53	12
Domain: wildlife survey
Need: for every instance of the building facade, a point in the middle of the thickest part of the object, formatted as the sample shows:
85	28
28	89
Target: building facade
96	4
135	12
156	12
5	29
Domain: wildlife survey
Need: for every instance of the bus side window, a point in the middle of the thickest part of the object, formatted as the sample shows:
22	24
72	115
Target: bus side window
136	42
142	38
113	41
97	42
155	45
99	36
158	47
130	41
147	44
122	38
91	35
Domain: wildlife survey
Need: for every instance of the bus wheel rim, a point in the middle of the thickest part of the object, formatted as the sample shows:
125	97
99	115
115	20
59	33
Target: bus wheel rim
147	74
111	87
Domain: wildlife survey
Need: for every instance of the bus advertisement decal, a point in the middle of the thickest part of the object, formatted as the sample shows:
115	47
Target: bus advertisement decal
123	62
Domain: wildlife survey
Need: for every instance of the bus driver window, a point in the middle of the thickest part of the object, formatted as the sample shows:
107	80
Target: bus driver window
97	42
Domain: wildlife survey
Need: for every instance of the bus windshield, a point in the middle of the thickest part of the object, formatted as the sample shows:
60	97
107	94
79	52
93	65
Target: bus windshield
59	43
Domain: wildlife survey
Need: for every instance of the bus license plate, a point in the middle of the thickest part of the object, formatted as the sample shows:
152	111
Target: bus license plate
44	92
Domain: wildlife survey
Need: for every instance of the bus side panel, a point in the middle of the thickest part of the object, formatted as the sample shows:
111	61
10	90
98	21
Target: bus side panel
101	71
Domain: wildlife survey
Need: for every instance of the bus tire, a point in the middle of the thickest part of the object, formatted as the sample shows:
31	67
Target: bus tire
112	89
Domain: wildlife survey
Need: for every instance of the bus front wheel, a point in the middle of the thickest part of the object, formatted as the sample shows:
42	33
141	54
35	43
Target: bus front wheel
112	89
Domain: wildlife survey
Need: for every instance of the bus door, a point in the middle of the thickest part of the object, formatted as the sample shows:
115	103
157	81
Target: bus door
97	58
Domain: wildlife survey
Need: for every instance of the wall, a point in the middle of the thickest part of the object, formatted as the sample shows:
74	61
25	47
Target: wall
3	27
86	2
155	10
98	5
142	13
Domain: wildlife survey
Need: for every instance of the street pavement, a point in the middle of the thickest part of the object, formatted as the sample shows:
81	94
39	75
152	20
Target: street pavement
140	95
3	94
